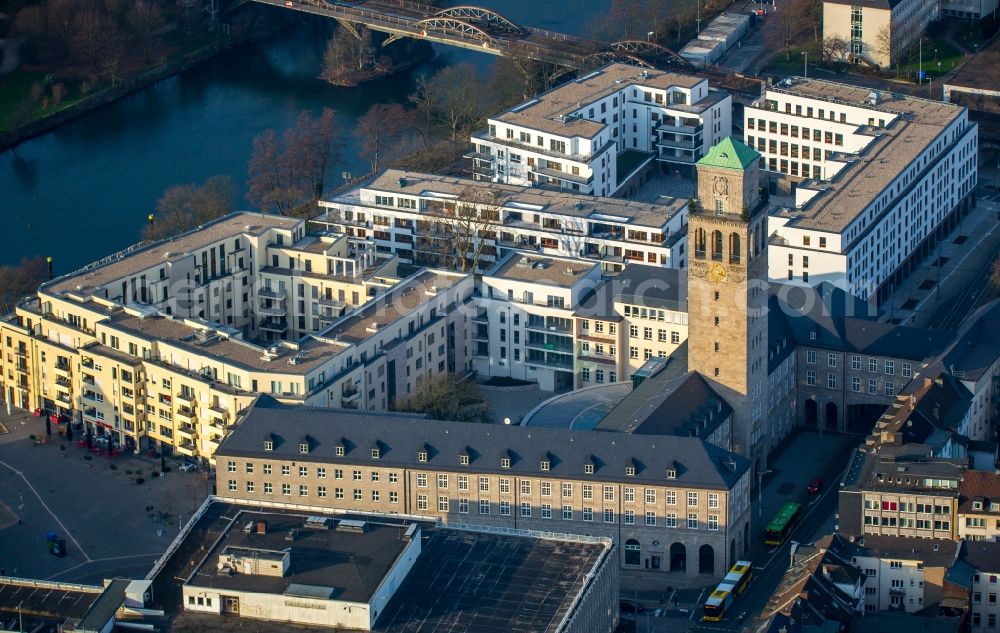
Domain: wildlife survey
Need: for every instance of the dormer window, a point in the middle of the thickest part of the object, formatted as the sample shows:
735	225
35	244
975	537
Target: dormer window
588	469
339	451
504	462
463	460
422	456
671	473
977	505
375	453
268	445
545	464
303	447
630	471
994	506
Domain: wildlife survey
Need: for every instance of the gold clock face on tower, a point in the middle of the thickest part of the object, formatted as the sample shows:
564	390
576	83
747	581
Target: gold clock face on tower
717	273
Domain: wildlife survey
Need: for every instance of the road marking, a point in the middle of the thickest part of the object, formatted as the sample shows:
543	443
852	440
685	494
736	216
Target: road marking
697	602
47	508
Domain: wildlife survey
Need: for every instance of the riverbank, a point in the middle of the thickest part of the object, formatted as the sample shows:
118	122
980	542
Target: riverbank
12	138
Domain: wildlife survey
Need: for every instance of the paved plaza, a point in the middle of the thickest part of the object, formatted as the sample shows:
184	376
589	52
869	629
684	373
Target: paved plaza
100	511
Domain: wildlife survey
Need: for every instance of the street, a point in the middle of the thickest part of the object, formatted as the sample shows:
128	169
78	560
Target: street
792	466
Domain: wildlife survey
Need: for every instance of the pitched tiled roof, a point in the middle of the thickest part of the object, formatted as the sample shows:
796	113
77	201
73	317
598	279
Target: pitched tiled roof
697	463
978	485
729	153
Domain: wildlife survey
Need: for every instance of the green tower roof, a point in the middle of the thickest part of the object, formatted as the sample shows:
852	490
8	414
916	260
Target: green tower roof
730	154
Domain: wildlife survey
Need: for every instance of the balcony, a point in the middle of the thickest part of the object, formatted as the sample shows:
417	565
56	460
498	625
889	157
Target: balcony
186	447
333	303
550	346
21	366
481	317
21	352
897	591
683	128
66	382
273	325
90	396
88	363
87	379
186	431
187	398
591	357
684	144
273	311
549	327
185	414
589	335
270	293
63	369
544	151
551	360
64	400
482	333
564	176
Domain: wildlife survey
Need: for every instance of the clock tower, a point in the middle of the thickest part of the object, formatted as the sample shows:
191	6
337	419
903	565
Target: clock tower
727	290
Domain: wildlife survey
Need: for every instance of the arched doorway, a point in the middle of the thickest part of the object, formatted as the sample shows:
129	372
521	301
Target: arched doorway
812	412
678	557
831	416
706	559
633	553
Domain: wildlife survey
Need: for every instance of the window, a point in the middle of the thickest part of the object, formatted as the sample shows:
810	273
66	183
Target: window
890	368
713	500
628	517
356	494
609	515
831	360
692	499
421	480
375	476
286	489
609	493
567	490
525	509
872	365
267	469
692	521
338	473
232	485
811	356
505	508
856	362
650	495
303	490
232	467
546	488
443	504
321	473
525	487
463	506
442	481
484	484
356	475
671	497
650	518
629	494
268	489
567	513
546	510
588	514
713	521
671	519
811	377
484	506
422	502
505	486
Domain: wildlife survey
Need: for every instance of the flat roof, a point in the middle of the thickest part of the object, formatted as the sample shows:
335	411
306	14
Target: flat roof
521	198
384	310
868	174
553	271
88	279
349	565
546	111
45	601
462	581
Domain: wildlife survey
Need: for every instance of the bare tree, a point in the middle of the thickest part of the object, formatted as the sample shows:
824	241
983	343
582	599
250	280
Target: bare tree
460	99
379	129
286	175
144	19
884	47
444	397
185	207
17	282
836	49
456	236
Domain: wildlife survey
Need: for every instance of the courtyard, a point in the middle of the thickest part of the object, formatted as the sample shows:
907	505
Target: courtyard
112	525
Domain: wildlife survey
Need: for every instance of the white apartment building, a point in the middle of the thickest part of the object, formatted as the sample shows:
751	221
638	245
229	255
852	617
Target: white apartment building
597	133
903	574
880	32
416	217
523	327
968	8
878	180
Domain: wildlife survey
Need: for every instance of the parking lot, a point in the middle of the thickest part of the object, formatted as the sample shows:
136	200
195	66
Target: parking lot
112	525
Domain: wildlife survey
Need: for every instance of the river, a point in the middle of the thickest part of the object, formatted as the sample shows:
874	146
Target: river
84	190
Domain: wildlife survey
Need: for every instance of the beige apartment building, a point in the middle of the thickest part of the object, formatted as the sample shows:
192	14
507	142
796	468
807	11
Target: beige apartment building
979	506
159	347
674	504
879	31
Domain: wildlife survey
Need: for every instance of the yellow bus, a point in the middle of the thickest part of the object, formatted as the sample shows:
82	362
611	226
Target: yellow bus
732	585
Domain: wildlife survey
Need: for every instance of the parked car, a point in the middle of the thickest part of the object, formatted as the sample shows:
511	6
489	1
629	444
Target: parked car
630	608
187	466
815	486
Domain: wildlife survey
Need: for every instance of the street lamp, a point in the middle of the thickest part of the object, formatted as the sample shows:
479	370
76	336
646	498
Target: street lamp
805	65
649	36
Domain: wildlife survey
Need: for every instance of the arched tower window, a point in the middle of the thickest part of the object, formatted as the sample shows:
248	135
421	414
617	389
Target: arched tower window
734	248
717	245
699	243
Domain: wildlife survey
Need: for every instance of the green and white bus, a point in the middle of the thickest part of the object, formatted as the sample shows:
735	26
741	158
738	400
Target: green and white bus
781	526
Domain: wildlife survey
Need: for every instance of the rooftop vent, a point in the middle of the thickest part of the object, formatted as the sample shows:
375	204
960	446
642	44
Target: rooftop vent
373	326
351	525
569	271
523	263
317	523
540	266
874	97
294	360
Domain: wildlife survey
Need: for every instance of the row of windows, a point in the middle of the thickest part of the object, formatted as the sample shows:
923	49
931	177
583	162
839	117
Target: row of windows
888	389
906	522
906	369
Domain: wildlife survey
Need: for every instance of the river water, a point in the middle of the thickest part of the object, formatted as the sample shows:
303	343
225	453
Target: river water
84	190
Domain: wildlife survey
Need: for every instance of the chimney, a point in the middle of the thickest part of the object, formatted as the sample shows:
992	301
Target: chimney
261	526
